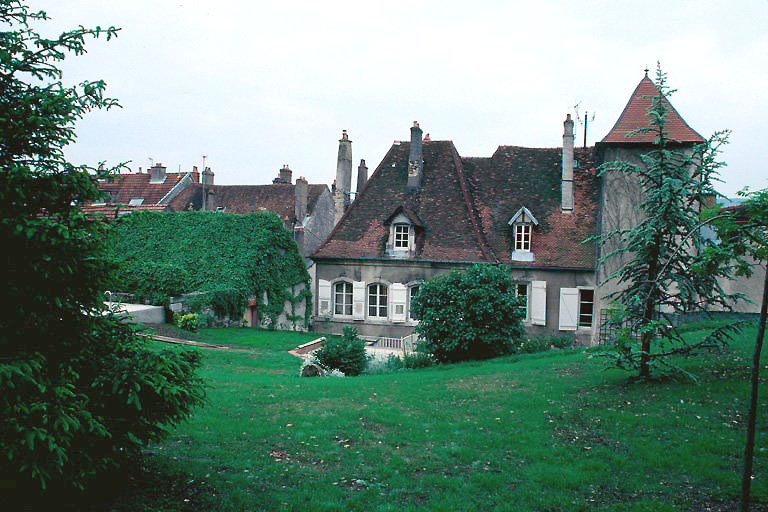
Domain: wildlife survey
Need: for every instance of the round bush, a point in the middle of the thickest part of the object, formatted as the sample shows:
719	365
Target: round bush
346	354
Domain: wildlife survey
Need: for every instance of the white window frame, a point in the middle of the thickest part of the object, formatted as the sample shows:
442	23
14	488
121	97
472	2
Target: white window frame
579	324
402	237
382	291
409	315
345	294
523	237
527	286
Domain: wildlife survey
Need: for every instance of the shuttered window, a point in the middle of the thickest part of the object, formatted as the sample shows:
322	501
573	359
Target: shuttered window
342	298
377	300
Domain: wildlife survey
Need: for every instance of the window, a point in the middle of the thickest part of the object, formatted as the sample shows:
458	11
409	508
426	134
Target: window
521	290
377	300
586	307
342	298
402	235
523	237
136	201
412	292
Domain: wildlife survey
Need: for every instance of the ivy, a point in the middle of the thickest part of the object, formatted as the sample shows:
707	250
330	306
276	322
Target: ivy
228	258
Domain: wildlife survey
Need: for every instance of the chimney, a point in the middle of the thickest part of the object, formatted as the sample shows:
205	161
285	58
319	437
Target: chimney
343	176
286	174
567	181
157	173
301	192
415	160
362	175
207	176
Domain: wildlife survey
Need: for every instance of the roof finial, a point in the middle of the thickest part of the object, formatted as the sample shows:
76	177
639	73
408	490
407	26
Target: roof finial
646	71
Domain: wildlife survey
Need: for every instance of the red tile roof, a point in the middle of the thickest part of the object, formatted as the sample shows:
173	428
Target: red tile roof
635	116
112	211
276	198
125	187
465	204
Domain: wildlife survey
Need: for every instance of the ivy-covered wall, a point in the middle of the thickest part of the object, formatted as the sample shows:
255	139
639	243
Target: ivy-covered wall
233	258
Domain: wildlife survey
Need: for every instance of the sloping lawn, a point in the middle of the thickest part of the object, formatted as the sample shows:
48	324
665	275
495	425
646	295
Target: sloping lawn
547	432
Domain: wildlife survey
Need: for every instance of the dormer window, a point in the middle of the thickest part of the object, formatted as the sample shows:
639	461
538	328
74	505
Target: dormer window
522	224
523	237
402	236
403	226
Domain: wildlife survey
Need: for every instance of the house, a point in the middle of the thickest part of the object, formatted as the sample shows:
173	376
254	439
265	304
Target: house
306	209
426	210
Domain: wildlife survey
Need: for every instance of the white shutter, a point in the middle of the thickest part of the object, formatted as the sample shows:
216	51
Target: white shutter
358	300
569	308
538	302
323	297
399	294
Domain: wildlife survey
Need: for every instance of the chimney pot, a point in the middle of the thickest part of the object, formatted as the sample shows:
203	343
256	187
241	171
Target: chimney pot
568	159
415	160
362	175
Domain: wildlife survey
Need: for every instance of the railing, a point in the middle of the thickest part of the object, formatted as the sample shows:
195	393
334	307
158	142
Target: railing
406	343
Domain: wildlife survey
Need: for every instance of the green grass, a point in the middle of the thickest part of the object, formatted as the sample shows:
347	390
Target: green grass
547	432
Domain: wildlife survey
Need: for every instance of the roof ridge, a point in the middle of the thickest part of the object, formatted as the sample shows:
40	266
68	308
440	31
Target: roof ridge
484	247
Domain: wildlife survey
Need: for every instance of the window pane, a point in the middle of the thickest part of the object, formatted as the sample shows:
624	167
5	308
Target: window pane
586	307
412	292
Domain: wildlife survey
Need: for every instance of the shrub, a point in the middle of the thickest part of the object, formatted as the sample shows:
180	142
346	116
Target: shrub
346	354
414	360
534	345
190	322
472	314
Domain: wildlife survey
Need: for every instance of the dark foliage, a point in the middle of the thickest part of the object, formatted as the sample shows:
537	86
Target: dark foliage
79	390
346	354
472	314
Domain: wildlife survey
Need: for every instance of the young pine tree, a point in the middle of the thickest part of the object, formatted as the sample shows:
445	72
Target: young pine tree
665	272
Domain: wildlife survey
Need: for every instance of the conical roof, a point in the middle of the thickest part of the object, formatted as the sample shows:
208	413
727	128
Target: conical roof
635	116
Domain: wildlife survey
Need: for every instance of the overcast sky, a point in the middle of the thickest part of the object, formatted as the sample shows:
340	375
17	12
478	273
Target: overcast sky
254	85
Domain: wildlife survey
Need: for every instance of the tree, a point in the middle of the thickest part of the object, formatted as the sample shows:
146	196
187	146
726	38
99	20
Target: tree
80	390
665	272
743	232
471	314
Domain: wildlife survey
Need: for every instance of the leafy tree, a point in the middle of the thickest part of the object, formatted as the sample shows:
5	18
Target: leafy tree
471	314
743	231
346	354
665	272
80	390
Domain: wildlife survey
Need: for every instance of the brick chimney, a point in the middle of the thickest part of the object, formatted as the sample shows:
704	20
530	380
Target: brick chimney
343	177
415	160
157	173
207	176
286	175
567	181
362	175
301	193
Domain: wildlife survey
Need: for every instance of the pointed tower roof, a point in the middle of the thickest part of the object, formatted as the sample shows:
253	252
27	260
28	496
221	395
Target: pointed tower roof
635	116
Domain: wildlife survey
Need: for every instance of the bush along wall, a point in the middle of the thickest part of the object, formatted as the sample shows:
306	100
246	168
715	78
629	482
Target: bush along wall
230	258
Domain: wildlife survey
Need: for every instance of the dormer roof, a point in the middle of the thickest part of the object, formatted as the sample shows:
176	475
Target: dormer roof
523	211
408	213
634	117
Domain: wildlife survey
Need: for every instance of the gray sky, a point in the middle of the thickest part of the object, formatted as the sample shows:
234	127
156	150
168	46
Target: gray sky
254	85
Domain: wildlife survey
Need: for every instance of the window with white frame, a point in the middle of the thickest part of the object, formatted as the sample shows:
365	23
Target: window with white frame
342	298
521	290
586	307
377	300
402	236
523	237
412	292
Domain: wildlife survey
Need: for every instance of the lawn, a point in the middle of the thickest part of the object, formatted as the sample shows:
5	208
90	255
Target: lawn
545	432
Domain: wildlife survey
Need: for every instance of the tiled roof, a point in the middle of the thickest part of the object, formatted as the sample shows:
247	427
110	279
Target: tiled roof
635	116
276	198
112	211
495	189
515	177
125	187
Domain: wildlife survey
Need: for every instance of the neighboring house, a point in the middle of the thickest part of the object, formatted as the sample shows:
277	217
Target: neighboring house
151	190
426	211
306	209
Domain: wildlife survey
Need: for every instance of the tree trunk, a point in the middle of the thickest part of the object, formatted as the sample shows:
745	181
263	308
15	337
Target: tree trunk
750	448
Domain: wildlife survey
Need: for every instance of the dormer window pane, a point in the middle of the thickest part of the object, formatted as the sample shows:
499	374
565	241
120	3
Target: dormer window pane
523	237
402	234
